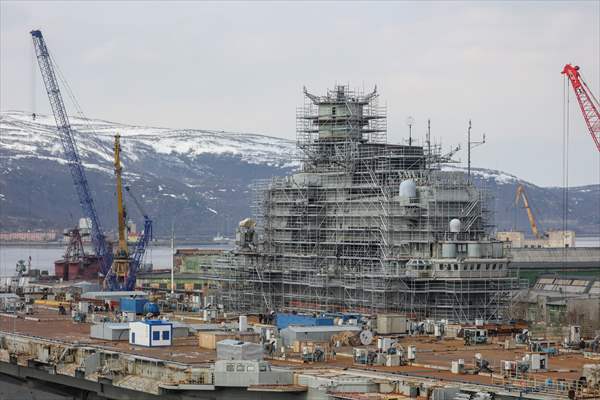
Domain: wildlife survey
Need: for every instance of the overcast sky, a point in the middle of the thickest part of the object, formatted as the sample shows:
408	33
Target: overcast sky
240	66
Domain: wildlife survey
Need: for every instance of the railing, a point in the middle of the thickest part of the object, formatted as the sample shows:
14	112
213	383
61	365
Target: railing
557	388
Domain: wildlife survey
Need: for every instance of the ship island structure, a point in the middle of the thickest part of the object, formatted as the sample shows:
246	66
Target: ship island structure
366	226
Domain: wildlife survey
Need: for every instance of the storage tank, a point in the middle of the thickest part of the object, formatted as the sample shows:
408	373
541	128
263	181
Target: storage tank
408	188
448	250
73	270
474	250
455	225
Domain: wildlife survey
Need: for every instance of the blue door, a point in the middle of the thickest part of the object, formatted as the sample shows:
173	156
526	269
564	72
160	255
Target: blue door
132	337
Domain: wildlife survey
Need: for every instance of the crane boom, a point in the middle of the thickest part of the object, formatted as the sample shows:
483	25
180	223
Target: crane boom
140	246
121	223
587	102
67	138
121	265
522	195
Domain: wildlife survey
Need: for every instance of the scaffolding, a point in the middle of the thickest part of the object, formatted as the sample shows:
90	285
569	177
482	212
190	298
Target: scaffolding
366	226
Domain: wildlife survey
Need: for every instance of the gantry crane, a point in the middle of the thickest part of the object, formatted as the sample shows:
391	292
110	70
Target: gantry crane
67	139
587	102
534	227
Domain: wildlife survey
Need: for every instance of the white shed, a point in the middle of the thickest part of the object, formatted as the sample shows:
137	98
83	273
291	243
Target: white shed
151	333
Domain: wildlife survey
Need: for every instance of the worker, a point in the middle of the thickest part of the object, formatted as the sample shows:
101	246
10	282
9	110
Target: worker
61	310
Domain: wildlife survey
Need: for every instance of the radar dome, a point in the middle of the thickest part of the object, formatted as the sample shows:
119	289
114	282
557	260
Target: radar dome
408	188
455	225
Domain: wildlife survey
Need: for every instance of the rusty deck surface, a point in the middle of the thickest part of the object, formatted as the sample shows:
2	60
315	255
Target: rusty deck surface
434	357
60	327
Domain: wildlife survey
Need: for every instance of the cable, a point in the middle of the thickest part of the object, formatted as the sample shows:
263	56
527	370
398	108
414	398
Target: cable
565	166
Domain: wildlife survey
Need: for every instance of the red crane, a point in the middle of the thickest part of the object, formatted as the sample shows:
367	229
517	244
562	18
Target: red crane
587	102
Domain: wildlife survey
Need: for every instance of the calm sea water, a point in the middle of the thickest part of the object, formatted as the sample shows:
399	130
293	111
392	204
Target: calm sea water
43	257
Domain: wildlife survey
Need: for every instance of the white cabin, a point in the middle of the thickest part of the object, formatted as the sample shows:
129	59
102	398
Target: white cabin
150	333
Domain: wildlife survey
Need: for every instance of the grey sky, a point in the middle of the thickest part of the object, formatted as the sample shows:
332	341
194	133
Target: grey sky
241	67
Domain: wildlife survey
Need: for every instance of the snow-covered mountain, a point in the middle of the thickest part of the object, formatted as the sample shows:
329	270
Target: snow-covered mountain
197	178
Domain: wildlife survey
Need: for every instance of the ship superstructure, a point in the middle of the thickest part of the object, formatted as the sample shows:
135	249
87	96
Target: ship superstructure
367	226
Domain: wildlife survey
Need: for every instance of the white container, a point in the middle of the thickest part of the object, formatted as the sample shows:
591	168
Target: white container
392	360
129	316
83	307
150	333
457	367
538	362
389	324
243	323
385	343
411	353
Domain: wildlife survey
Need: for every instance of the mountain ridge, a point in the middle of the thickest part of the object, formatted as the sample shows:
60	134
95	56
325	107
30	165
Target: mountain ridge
199	179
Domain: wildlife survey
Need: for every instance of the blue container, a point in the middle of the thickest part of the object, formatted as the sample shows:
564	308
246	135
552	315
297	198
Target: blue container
136	305
285	320
151	308
324	321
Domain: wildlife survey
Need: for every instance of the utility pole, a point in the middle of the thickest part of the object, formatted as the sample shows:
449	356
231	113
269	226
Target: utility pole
471	145
173	257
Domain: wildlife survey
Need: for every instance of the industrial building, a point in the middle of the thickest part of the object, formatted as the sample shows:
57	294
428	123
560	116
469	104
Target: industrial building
559	301
553	239
366	226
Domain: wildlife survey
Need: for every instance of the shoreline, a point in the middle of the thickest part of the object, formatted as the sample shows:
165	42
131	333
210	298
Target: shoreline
161	242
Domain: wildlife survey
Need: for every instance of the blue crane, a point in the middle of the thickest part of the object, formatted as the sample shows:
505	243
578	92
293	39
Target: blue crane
65	132
140	246
99	243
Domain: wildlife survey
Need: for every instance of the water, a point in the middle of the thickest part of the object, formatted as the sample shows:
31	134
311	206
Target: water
587	241
43	257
